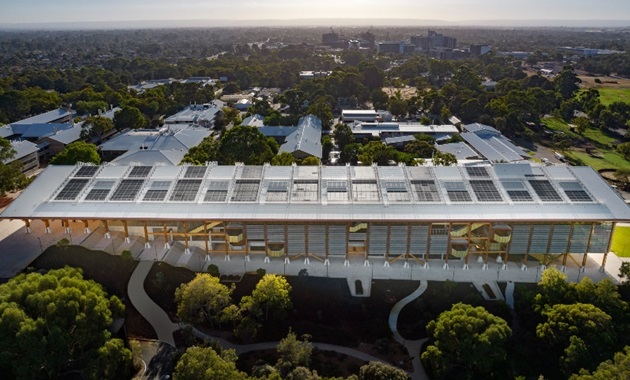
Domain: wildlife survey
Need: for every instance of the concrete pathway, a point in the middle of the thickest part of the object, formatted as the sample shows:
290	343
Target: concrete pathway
413	346
509	294
155	315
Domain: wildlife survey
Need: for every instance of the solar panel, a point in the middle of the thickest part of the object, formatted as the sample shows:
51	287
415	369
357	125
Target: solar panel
215	196
86	171
140	171
305	191
578	196
486	191
477	171
155	195
545	191
365	191
520	195
72	189
459	196
337	186
426	190
185	190
218	185
97	194
127	190
252	172
277	186
195	171
395	187
245	191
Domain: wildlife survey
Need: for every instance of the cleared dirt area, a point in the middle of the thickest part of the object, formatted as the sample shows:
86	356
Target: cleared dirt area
406	92
606	82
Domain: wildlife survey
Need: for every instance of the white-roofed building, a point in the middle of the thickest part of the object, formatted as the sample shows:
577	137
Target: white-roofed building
198	114
518	215
27	153
491	144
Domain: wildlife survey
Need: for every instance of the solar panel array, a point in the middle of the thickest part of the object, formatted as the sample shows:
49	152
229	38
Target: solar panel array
545	190
140	171
86	171
336	184
485	191
185	190
72	189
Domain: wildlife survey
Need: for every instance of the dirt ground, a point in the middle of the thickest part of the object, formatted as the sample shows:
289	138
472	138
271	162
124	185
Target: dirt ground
406	92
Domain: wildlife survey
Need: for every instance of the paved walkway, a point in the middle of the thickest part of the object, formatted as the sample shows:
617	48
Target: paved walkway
155	315
413	346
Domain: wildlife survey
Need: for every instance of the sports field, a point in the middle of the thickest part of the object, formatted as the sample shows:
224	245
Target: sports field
621	241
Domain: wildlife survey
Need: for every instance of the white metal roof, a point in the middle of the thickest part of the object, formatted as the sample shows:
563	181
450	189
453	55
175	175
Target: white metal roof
505	192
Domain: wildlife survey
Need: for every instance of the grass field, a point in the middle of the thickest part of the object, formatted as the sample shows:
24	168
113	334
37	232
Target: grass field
621	241
611	95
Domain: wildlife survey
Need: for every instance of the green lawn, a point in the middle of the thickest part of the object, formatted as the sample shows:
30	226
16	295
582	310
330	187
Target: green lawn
610	95
556	124
610	160
621	241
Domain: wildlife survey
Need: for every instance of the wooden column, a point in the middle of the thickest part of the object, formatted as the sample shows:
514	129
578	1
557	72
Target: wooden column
566	253
146	232
105	225
529	243
348	241
612	230
388	240
408	249
146	235
185	234
306	238
588	245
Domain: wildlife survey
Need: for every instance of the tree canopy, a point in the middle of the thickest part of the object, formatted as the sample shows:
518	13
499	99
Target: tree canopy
202	299
10	173
270	298
467	340
247	145
57	322
381	371
616	369
79	151
204	363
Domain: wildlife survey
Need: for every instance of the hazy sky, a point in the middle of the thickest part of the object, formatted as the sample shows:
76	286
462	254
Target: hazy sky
20	11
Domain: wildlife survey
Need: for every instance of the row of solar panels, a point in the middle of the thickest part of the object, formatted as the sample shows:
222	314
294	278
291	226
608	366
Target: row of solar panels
368	191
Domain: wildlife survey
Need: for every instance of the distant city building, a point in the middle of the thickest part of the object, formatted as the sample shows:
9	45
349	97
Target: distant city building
387	130
515	54
479	49
434	40
395	47
314	74
587	52
359	115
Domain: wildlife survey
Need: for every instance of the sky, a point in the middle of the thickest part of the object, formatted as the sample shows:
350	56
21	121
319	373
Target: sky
45	11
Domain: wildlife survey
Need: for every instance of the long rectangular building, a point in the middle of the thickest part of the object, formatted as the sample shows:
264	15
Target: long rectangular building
506	212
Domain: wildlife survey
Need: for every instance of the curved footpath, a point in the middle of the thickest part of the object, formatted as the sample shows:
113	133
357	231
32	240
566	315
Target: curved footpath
164	327
413	346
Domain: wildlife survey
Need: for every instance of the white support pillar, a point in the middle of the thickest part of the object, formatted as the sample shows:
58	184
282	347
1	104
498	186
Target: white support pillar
307	261
465	267
28	230
524	268
386	264
128	240
366	263
227	258
207	258
187	251
327	262
504	266
346	263
445	266
266	260
406	265
68	230
485	267
499	259
247	259
426	265
563	269
167	246
107	235
147	245
287	261
582	269
87	230
47	230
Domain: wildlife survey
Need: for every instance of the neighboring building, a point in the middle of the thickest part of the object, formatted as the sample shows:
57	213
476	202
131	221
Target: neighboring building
27	153
491	144
60	139
151	157
278	133
149	84
203	115
359	115
243	104
385	130
37	127
433	40
166	138
395	47
306	141
460	150
520	215
479	49
314	74
254	120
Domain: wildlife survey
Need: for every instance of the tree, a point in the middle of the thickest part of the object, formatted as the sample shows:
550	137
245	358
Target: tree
553	289
580	334
322	110
206	151
566	82
623	175
129	118
96	126
327	147
55	323
467	340
616	369
624	150
381	371
271	296
419	148
245	144
624	272
581	124
10	173
293	353
343	135
202	299
283	159
350	154
444	159
398	107
310	161
204	363
78	151
376	152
